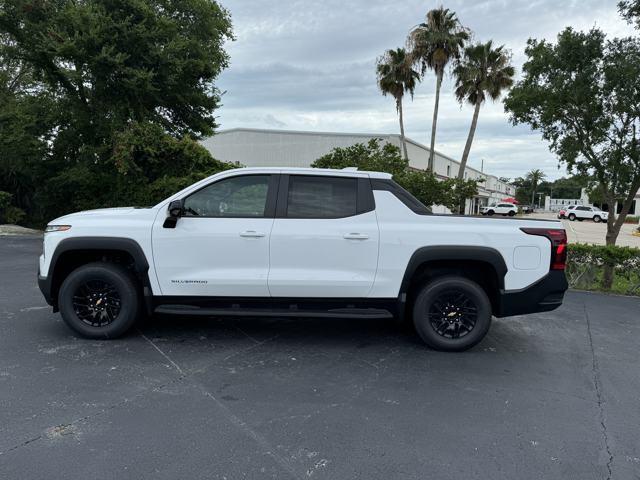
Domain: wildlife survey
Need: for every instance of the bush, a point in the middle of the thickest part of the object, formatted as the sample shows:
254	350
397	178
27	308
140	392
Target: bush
586	264
5	200
9	213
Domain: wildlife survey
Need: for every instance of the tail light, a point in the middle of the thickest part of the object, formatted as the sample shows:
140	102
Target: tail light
558	239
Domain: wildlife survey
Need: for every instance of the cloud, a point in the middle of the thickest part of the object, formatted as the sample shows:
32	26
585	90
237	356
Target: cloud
308	65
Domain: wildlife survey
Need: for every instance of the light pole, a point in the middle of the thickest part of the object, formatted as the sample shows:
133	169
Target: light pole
539	195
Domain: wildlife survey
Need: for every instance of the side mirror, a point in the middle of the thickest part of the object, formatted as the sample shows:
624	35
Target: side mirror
175	211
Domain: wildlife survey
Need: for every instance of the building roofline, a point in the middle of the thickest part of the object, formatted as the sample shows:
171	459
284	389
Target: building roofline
347	134
304	132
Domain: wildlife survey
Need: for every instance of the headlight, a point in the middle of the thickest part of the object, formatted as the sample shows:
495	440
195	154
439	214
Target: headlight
57	228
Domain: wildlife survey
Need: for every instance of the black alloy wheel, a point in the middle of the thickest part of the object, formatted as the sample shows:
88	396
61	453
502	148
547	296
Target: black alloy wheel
96	302
453	314
100	300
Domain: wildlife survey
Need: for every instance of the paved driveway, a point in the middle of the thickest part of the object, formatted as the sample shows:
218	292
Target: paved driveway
553	396
588	231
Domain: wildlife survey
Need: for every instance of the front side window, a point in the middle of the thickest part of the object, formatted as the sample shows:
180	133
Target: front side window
243	196
321	197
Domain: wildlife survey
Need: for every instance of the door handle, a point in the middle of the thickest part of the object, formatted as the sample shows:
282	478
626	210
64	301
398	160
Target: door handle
355	236
251	234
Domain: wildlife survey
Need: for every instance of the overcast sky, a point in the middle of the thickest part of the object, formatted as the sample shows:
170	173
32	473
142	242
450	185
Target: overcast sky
310	65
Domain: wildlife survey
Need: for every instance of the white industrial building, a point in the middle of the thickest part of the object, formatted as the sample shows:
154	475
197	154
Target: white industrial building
261	148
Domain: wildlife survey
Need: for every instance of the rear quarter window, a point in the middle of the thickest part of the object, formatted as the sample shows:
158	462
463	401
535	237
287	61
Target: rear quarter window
321	197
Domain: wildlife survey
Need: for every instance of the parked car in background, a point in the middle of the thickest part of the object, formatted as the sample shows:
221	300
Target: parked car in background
589	213
500	209
527	208
564	212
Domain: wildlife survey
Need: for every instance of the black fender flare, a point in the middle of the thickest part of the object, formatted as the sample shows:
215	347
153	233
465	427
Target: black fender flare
452	252
128	245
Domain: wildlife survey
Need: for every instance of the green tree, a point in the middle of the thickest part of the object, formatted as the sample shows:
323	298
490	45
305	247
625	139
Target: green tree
424	185
372	156
101	69
565	187
534	177
434	44
396	77
630	11
523	190
581	94
25	130
482	72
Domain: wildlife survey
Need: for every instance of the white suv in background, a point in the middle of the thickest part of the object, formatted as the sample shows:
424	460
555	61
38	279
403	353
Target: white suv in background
500	209
580	213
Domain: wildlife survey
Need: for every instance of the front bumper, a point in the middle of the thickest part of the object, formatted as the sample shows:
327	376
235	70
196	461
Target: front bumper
543	296
44	284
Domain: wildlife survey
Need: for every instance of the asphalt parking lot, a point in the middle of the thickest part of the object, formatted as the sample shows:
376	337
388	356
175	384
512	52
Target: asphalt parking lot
553	396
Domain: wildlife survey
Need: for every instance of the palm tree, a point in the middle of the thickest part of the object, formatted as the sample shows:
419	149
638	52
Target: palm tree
483	72
395	77
434	44
534	177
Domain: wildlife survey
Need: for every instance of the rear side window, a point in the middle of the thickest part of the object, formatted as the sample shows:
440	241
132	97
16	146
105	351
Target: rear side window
411	202
321	197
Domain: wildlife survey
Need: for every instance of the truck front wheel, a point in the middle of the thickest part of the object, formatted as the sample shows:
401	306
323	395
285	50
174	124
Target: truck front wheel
452	313
99	300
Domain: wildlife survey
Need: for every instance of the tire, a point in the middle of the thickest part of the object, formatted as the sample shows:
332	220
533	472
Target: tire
428	310
511	213
490	212
99	300
597	218
572	217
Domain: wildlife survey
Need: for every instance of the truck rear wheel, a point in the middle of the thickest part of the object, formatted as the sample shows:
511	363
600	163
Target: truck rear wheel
99	300
452	313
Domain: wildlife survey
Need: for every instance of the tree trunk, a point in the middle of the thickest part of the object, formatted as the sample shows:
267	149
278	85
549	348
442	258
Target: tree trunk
533	193
467	146
402	139
431	164
614	225
610	239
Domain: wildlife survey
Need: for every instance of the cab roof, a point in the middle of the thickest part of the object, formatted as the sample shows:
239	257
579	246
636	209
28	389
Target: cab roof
349	171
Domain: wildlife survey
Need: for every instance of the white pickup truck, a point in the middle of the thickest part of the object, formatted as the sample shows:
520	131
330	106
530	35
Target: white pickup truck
303	243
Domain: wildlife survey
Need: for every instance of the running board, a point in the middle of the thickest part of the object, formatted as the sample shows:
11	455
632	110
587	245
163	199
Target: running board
371	313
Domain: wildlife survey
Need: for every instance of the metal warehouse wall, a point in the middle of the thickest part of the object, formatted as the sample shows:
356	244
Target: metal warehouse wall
254	148
281	148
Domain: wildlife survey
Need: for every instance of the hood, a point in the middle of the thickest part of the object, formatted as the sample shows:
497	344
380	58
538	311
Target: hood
104	212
